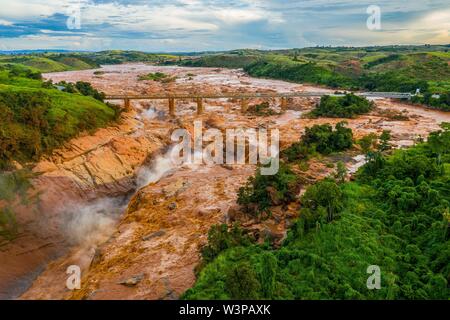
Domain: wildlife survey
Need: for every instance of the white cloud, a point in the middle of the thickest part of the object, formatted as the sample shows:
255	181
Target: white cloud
5	23
217	24
30	9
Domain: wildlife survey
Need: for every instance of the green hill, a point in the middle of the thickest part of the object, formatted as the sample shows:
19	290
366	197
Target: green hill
36	117
390	68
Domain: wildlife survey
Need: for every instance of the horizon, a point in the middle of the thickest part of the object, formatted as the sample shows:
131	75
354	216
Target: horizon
200	25
56	50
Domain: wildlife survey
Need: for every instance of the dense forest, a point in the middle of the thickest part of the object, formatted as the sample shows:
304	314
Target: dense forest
394	215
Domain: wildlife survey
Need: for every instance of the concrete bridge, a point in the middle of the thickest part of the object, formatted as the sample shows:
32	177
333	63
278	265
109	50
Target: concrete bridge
244	97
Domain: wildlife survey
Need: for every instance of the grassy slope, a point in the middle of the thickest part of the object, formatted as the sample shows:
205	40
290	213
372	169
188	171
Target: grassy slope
341	67
62	103
66	115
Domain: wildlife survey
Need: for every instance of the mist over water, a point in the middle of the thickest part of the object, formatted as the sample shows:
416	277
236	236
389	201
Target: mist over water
159	167
149	112
92	223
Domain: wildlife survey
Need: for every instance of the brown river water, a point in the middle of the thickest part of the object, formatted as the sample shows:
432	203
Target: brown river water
114	205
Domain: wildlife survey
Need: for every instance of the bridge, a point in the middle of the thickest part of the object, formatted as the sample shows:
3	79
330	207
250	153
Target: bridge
244	97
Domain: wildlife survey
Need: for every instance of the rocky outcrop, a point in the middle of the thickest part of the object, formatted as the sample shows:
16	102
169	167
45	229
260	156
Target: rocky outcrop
85	169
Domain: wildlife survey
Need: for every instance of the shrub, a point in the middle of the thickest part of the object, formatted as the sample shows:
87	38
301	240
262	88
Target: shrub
263	191
220	238
342	107
84	88
261	110
322	139
326	140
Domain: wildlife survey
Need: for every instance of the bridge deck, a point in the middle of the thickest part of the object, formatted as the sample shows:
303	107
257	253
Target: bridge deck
238	95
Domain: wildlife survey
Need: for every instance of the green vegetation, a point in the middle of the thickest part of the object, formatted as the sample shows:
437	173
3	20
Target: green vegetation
13	189
49	62
35	117
54	62
120	56
261	110
220	239
442	103
157	76
83	88
390	68
342	107
322	139
394	215
283	68
263	191
220	61
368	142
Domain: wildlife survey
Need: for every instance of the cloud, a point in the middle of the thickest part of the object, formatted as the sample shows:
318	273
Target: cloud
5	23
185	25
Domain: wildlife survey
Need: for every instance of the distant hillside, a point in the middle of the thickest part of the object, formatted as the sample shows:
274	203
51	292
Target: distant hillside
388	68
66	61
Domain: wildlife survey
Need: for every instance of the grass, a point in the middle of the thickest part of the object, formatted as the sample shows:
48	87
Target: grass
36	119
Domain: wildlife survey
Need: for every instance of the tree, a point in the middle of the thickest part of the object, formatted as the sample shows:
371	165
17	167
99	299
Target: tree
320	203
341	172
366	143
241	282
268	273
385	138
220	239
439	141
342	107
263	191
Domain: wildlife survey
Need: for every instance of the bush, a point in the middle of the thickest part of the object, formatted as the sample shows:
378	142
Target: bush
84	88
157	76
261	110
441	103
342	107
8	224
13	189
262	192
220	238
322	139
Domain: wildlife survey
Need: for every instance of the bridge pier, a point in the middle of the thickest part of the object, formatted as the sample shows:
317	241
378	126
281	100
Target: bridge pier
283	104
199	106
244	105
172	107
127	104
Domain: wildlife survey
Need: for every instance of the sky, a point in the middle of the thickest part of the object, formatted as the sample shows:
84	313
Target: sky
201	25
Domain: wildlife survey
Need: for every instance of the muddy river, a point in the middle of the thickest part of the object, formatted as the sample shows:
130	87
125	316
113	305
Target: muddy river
113	204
